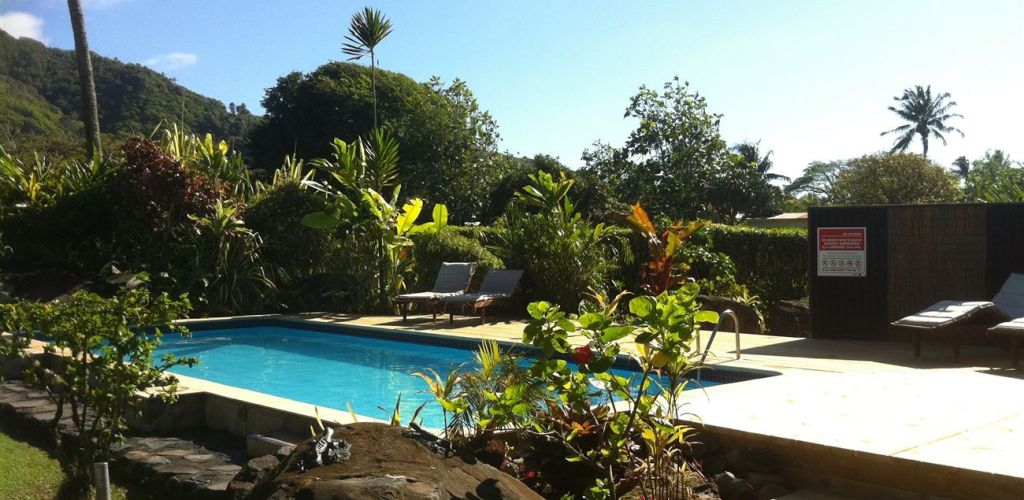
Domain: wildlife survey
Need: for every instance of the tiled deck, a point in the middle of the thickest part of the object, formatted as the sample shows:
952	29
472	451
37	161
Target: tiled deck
863	411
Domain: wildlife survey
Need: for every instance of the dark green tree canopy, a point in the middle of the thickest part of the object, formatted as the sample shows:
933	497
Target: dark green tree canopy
900	178
448	143
676	163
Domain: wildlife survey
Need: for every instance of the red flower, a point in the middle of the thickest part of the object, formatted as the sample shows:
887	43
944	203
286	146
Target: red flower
582	355
531	474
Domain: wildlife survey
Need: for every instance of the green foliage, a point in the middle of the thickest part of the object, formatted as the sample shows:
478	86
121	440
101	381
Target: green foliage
224	267
772	263
296	251
433	248
900	178
592	196
41	182
448	143
131	97
107	362
995	178
817	183
676	162
373	231
563	413
564	255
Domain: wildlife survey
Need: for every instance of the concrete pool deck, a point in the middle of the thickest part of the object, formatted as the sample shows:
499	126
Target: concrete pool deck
865	412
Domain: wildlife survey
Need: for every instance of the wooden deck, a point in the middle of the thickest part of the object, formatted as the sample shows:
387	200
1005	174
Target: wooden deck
867	412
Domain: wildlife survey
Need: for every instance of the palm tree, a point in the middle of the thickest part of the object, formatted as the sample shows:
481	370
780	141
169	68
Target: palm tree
962	167
367	29
926	115
751	154
90	111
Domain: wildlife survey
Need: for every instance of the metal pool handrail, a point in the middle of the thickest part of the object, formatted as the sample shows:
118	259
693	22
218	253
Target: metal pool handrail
736	327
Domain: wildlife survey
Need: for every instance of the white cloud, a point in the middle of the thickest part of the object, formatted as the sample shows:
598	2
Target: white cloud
172	61
22	25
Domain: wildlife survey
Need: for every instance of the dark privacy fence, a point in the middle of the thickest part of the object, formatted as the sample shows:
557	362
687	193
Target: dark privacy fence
915	255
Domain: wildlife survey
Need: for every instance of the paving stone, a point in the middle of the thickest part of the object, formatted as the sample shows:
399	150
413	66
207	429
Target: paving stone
200	458
175	453
13	386
176	469
29	403
136	455
221	486
37	394
226	468
155	460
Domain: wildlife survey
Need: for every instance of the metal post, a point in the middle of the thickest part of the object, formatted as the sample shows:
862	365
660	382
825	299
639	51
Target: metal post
101	474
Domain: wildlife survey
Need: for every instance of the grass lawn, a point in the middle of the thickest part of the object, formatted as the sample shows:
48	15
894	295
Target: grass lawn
28	472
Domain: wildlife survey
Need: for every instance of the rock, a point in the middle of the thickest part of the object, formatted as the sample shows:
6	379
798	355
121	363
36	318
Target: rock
386	464
258	468
731	487
283	452
772	491
790	318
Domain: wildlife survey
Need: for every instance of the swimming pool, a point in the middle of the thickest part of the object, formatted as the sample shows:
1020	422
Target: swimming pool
367	369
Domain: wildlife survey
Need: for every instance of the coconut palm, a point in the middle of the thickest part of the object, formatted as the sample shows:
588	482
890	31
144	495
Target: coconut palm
926	116
90	111
367	29
962	167
751	154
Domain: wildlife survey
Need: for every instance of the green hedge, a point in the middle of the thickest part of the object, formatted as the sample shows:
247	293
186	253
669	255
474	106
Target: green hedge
431	249
772	263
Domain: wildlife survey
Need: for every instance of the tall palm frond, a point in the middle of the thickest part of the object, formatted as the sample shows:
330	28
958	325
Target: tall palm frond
366	30
926	115
751	154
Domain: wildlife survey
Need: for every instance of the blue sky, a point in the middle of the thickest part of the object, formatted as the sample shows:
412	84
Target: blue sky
810	79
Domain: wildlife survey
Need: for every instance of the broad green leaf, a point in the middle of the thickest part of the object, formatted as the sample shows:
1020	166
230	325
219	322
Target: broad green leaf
642	306
613	333
321	220
705	317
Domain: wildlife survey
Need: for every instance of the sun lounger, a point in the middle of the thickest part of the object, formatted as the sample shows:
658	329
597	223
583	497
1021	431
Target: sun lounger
1013	329
955	317
498	286
452	280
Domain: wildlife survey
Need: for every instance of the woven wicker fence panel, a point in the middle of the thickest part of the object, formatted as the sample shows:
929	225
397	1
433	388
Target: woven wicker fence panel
936	253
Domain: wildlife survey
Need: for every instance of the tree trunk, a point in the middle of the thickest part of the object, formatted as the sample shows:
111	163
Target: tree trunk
924	142
90	111
373	84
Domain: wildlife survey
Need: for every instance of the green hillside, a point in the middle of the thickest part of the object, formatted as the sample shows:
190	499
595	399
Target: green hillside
39	97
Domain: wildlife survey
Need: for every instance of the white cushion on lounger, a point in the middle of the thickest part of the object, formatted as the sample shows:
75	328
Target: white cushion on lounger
474	297
426	295
1015	327
943	313
1010	299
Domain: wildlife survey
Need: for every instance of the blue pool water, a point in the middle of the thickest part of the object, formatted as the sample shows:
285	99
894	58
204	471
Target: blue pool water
324	369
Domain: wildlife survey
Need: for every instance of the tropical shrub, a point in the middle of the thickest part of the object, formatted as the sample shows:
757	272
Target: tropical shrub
224	268
433	248
662	271
568	437
295	250
153	194
772	263
564	255
107	364
899	178
373	229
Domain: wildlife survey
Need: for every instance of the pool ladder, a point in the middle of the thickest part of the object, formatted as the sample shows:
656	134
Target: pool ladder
736	327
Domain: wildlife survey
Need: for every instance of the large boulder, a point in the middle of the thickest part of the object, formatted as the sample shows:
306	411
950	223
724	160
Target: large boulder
749	321
384	463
